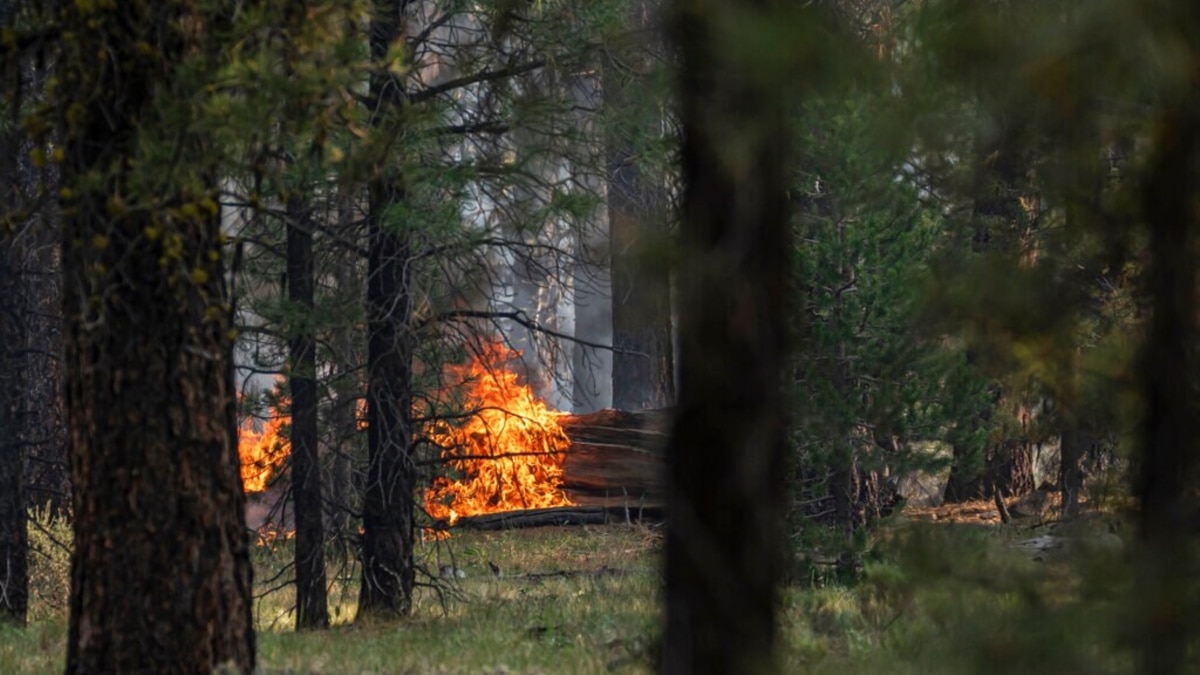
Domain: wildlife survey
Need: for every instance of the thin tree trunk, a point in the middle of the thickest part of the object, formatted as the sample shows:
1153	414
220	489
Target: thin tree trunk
343	418
160	569
312	609
1077	442
388	569
726	455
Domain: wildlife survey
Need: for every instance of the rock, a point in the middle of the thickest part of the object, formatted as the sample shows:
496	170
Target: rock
452	572
1044	543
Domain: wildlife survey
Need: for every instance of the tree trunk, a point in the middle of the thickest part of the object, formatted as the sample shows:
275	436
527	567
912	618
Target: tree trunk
643	371
14	537
343	417
14	542
312	610
592	283
726	455
1169	430
1077	443
47	473
160	570
388	569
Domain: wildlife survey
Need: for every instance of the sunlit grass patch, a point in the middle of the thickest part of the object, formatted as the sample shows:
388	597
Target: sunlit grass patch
552	600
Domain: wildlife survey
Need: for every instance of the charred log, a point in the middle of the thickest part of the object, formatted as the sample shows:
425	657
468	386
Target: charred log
565	515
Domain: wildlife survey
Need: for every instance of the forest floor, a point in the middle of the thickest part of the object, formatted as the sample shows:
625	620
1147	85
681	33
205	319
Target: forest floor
932	596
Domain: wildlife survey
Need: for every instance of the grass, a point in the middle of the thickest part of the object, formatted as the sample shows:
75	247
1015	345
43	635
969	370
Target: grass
940	598
567	600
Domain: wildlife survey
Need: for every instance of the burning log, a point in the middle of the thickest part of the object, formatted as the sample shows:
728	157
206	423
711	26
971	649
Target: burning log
612	472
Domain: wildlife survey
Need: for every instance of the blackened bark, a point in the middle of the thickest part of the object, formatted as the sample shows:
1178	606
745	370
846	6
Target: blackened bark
160	570
312	609
1169	428
726	454
388	570
643	371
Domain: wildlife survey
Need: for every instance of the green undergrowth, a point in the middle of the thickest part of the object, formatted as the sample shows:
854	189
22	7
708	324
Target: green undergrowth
551	600
930	598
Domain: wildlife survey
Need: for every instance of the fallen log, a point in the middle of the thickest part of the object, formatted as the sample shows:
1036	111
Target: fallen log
616	458
612	473
560	516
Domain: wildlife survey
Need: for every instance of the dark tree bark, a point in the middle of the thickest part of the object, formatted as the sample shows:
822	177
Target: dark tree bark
160	571
726	454
14	537
312	609
47	473
1076	443
643	372
1167	485
388	570
14	541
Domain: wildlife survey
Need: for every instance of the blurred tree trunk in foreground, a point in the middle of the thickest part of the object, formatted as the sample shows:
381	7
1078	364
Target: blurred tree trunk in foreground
160	571
1167	486
726	454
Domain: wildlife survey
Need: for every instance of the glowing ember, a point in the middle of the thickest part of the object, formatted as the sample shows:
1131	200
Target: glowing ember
262	449
508	450
270	534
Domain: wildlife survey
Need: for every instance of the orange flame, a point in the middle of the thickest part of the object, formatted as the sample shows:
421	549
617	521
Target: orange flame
262	451
508	448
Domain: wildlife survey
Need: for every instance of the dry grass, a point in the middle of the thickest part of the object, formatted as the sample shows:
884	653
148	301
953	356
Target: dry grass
566	600
937	598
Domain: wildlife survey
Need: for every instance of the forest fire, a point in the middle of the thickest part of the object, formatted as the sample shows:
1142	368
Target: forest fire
507	449
262	451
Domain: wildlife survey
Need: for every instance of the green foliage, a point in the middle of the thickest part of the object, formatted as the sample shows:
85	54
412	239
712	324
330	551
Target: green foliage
871	381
